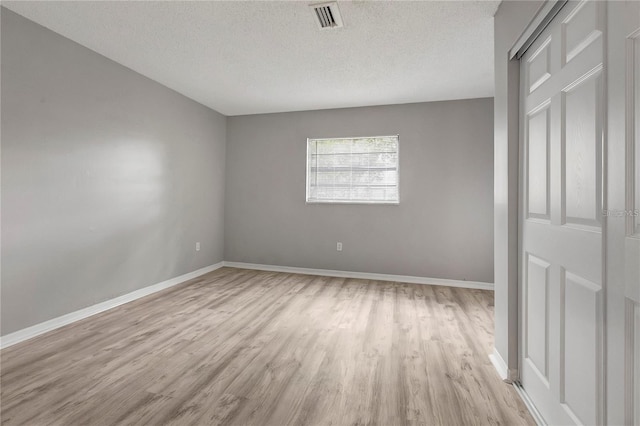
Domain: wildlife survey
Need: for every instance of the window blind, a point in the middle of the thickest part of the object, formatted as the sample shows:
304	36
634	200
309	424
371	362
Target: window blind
353	170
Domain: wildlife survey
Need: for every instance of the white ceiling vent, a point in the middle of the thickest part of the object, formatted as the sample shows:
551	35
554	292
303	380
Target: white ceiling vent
327	15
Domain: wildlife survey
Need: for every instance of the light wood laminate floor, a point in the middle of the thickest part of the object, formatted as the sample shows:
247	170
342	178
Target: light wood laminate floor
241	347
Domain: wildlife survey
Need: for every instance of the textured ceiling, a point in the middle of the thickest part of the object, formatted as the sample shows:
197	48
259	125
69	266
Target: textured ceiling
246	57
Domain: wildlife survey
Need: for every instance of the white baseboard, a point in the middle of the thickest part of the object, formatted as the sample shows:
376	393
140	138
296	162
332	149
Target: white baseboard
363	275
38	329
529	404
505	374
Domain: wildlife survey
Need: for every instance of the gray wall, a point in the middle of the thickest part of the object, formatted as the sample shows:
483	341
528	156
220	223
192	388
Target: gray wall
108	178
443	227
511	20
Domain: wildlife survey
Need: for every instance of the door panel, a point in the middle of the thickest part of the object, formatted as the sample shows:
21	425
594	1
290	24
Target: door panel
633	143
634	408
582	161
539	66
536	348
561	217
581	346
623	196
632	216
581	28
631	382
538	166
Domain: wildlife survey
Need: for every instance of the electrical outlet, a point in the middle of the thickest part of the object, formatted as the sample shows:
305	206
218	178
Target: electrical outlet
198	246
339	247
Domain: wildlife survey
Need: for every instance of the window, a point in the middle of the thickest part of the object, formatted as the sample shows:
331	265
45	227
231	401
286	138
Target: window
353	170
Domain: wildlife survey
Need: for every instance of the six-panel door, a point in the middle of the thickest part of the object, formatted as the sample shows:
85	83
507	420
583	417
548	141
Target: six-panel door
562	116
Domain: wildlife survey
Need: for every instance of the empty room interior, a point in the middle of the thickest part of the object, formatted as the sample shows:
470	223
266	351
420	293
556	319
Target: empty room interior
320	213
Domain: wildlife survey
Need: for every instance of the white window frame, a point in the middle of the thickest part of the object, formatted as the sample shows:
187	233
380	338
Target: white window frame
378	203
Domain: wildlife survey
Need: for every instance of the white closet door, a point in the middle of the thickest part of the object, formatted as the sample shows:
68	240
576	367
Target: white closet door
561	283
623	207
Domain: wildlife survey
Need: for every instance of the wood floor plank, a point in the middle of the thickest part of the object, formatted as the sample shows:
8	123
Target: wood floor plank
241	347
